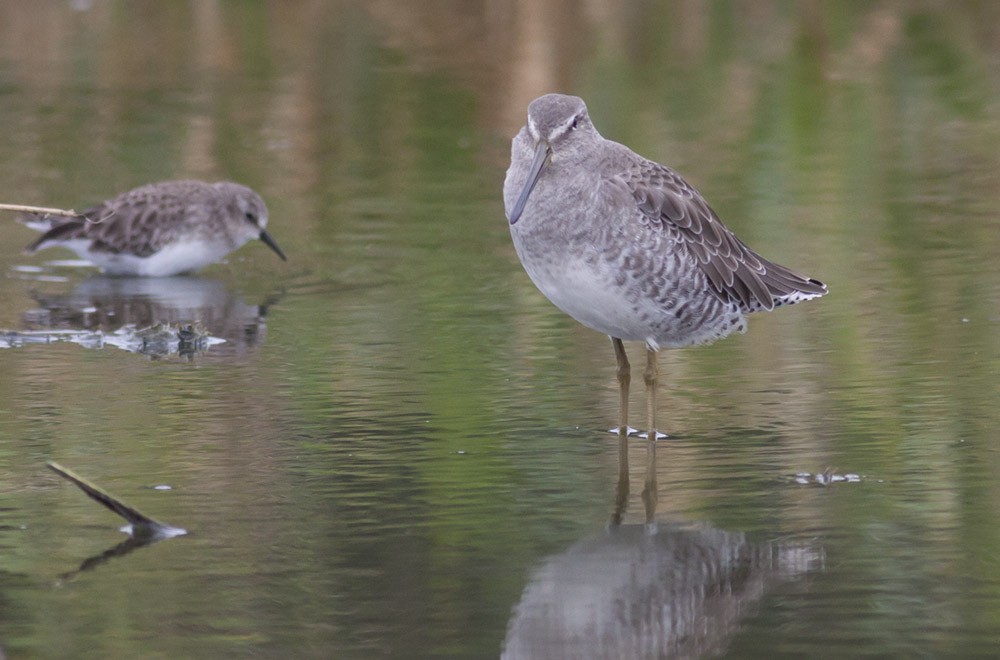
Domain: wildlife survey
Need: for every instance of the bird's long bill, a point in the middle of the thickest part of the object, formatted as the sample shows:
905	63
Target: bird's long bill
538	163
269	242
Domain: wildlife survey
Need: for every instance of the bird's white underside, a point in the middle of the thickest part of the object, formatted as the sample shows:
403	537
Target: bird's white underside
173	259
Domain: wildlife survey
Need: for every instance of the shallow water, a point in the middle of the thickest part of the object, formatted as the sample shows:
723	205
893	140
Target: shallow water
400	449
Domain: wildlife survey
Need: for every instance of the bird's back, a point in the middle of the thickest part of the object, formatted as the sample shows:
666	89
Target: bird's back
138	222
665	203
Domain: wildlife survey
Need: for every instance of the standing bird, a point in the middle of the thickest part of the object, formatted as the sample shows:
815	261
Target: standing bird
627	247
160	229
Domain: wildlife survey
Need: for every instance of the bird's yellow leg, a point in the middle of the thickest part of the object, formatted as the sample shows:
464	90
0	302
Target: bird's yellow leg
624	378
651	375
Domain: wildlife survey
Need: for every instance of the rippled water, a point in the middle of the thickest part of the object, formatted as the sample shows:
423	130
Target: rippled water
400	448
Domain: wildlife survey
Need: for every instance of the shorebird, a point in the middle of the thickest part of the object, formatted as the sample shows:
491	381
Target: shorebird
160	229
627	247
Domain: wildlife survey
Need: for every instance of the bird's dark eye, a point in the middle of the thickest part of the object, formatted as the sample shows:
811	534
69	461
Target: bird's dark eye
576	122
251	217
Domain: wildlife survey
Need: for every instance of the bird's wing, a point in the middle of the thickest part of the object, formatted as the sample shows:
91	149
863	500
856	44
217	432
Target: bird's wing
135	223
668	203
59	229
139	222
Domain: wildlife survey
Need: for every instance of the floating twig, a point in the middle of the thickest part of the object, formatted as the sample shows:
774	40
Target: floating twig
142	525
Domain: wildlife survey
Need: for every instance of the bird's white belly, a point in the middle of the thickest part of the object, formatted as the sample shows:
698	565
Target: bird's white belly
602	298
590	295
172	259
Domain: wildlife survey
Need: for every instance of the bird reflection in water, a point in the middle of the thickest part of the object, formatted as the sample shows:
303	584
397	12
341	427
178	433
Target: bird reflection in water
154	316
653	590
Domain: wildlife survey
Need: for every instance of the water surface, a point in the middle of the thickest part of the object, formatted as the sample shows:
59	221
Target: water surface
400	450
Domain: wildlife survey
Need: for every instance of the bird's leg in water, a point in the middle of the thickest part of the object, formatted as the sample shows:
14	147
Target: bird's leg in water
652	372
624	378
649	494
622	491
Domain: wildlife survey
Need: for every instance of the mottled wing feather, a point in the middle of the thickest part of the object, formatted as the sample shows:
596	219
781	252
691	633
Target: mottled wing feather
735	271
63	231
139	222
135	223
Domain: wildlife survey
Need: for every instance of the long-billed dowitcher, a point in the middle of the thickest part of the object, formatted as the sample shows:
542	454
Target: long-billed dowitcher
627	247
160	229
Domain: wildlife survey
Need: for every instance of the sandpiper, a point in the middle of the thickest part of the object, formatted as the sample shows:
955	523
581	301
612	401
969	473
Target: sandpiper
160	229
627	247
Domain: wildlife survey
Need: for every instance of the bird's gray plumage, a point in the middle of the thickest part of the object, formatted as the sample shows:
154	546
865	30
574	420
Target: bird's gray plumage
624	244
126	234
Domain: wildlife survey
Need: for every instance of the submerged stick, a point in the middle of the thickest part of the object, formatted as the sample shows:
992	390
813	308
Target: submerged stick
40	210
139	520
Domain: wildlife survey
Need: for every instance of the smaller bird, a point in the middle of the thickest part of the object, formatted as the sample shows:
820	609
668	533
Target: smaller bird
160	229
